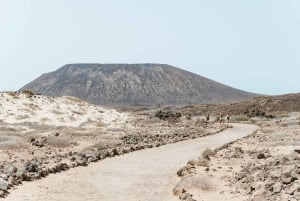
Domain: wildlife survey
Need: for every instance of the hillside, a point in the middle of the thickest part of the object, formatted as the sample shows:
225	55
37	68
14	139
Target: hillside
266	106
134	84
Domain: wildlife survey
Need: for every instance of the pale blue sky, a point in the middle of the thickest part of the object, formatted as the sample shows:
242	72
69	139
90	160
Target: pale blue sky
251	45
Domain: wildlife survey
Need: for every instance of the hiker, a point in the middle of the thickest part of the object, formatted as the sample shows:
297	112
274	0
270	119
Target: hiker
207	117
221	118
227	117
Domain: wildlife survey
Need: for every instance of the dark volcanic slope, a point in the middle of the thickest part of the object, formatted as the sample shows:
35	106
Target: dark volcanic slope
134	84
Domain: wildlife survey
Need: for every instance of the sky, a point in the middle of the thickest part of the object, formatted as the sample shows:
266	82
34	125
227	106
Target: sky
250	45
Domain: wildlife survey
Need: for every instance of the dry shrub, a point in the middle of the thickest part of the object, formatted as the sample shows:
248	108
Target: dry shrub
12	142
81	134
59	141
51	100
199	182
77	112
72	118
203	183
31	106
57	106
34	135
105	141
239	118
57	112
28	91
283	115
45	119
62	120
12	94
207	153
100	124
21	117
192	162
153	120
28	110
178	191
267	130
8	129
98	145
202	162
71	98
115	130
78	132
92	122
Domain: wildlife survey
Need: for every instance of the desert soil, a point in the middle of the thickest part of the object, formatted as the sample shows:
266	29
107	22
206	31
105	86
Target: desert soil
148	174
261	166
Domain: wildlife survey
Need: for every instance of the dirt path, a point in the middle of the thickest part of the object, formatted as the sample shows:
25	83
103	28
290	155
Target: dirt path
139	176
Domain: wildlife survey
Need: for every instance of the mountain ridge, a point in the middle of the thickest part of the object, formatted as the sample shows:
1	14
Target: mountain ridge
134	84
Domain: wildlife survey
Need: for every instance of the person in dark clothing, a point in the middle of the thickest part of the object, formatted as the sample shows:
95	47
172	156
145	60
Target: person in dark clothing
227	117
207	117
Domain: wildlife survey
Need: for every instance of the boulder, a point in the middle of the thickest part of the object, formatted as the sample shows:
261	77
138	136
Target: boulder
10	169
288	179
3	185
277	187
290	190
2	193
187	197
31	166
81	161
261	156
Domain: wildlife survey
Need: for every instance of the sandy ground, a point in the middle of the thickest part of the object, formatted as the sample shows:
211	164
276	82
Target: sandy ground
248	169
143	175
18	108
79	124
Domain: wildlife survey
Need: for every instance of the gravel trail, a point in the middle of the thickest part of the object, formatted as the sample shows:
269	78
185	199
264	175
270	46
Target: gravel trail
146	175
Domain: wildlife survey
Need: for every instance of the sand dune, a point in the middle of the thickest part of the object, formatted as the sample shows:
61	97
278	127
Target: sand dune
18	107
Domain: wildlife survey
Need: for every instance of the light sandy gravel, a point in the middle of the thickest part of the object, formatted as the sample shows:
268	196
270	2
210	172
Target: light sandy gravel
146	175
17	108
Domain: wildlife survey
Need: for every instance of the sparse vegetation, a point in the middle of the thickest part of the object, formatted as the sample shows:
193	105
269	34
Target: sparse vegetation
12	142
28	110
208	153
283	115
61	140
77	112
7	128
73	99
12	94
190	182
45	119
100	124
21	117
57	112
121	130
28	91
239	118
153	120
58	141
72	118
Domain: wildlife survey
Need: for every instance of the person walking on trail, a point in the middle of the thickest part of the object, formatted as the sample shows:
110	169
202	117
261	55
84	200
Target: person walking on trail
221	118
207	117
227	117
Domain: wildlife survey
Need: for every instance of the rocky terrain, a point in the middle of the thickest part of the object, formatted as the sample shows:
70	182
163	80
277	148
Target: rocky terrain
262	166
134	84
262	106
41	135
